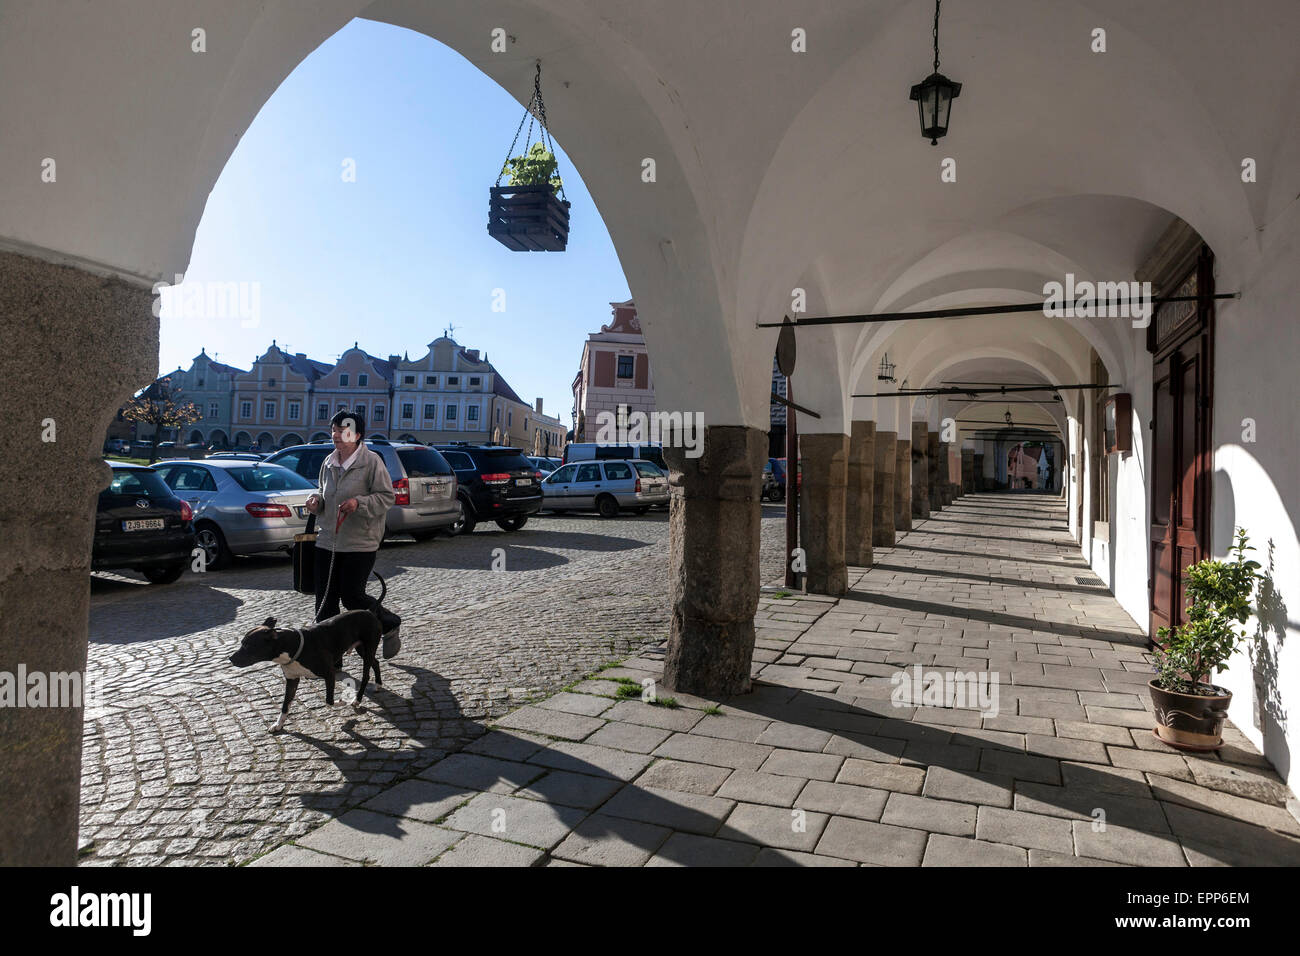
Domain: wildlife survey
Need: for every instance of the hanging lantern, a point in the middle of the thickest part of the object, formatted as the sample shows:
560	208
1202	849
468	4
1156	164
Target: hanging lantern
886	373
1008	416
934	94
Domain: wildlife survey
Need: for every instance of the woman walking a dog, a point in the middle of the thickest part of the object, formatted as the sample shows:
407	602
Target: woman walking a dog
356	492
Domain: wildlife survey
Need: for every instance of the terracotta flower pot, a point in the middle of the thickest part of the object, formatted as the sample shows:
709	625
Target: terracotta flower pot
1190	721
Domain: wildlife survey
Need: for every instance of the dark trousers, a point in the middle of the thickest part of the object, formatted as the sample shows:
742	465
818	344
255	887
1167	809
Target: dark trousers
351	570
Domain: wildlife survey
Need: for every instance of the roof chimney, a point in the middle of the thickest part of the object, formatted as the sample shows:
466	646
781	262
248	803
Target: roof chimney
394	359
301	355
539	406
472	353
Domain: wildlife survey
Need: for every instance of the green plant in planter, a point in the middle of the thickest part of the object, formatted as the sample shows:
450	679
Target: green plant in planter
1219	601
534	168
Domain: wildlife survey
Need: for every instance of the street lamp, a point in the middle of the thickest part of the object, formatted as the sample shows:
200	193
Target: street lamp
934	94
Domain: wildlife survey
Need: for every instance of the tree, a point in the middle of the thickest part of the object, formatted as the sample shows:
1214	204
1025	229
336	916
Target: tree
161	406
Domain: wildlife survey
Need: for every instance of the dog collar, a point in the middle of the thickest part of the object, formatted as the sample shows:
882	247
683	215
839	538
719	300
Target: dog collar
297	631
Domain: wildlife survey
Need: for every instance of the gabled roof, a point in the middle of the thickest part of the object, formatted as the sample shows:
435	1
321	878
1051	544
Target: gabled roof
310	369
501	387
382	366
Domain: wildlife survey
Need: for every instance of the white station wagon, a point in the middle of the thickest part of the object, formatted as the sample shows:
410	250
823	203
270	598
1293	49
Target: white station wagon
606	487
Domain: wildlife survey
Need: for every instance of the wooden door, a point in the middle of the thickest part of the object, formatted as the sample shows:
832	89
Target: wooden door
1181	457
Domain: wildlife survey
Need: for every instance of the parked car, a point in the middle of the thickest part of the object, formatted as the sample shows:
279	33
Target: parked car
241	455
543	465
497	483
424	482
116	446
592	451
240	507
140	524
606	486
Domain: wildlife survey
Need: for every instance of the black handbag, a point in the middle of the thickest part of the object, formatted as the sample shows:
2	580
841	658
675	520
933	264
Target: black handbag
304	559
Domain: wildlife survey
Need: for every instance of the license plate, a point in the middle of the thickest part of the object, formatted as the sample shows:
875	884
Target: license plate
523	481
301	510
143	524
429	487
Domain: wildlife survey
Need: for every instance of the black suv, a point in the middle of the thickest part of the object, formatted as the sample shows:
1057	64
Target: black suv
497	483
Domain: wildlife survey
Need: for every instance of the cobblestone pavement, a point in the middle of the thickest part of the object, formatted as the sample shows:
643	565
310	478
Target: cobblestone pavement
818	766
178	766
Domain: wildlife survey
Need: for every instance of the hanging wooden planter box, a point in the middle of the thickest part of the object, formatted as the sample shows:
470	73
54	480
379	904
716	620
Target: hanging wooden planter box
528	218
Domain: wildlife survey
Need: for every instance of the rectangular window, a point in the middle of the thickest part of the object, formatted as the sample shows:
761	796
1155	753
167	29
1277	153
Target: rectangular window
408	411
453	379
343	380
212	410
430	380
360	408
408	379
474	381
363	380
498	414
245	409
471	413
625	365
295	409
451	413
430	411
510	419
323	411
342	407
379	413
268	409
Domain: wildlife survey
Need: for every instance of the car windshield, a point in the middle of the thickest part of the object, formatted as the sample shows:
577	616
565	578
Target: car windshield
269	478
646	470
143	484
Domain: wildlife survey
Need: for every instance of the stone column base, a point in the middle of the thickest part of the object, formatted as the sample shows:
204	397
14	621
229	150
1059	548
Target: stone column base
945	479
821	511
714	520
920	471
859	495
936	491
886	458
76	346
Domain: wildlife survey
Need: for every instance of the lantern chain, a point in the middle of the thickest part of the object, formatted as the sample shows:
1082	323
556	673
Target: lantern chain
936	35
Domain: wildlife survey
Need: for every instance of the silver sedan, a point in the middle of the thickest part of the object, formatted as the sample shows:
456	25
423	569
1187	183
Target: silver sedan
240	506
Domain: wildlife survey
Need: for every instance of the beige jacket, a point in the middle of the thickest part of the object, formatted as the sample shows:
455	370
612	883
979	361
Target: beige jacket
367	480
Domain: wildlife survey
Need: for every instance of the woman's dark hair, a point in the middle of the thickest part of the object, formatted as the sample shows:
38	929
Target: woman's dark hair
358	420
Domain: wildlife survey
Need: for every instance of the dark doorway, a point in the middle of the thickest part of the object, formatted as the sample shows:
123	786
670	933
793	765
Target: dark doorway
1182	340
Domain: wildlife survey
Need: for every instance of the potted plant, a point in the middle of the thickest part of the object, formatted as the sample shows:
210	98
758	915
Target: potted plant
1189	710
527	214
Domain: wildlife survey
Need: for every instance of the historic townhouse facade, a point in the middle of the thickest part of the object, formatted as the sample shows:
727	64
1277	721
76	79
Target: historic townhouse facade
271	402
359	382
614	375
208	384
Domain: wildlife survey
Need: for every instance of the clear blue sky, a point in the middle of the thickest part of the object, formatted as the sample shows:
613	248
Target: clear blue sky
390	260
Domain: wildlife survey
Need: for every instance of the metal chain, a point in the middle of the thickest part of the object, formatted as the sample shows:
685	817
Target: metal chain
936	35
540	117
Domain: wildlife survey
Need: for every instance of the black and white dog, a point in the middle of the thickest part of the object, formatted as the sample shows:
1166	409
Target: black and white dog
312	652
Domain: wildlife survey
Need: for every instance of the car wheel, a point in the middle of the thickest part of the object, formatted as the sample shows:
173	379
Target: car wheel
512	524
213	542
607	506
164	573
775	494
465	523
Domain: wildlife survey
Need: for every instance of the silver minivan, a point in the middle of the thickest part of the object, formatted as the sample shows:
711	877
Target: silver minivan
425	485
606	487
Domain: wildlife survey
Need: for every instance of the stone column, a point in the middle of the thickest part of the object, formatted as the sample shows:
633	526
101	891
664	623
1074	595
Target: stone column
821	511
945	476
882	529
936	492
859	495
968	471
76	346
920	471
713	525
903	485
978	474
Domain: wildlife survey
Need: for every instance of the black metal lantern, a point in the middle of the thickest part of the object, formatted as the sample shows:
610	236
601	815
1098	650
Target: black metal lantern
886	373
1008	416
934	94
